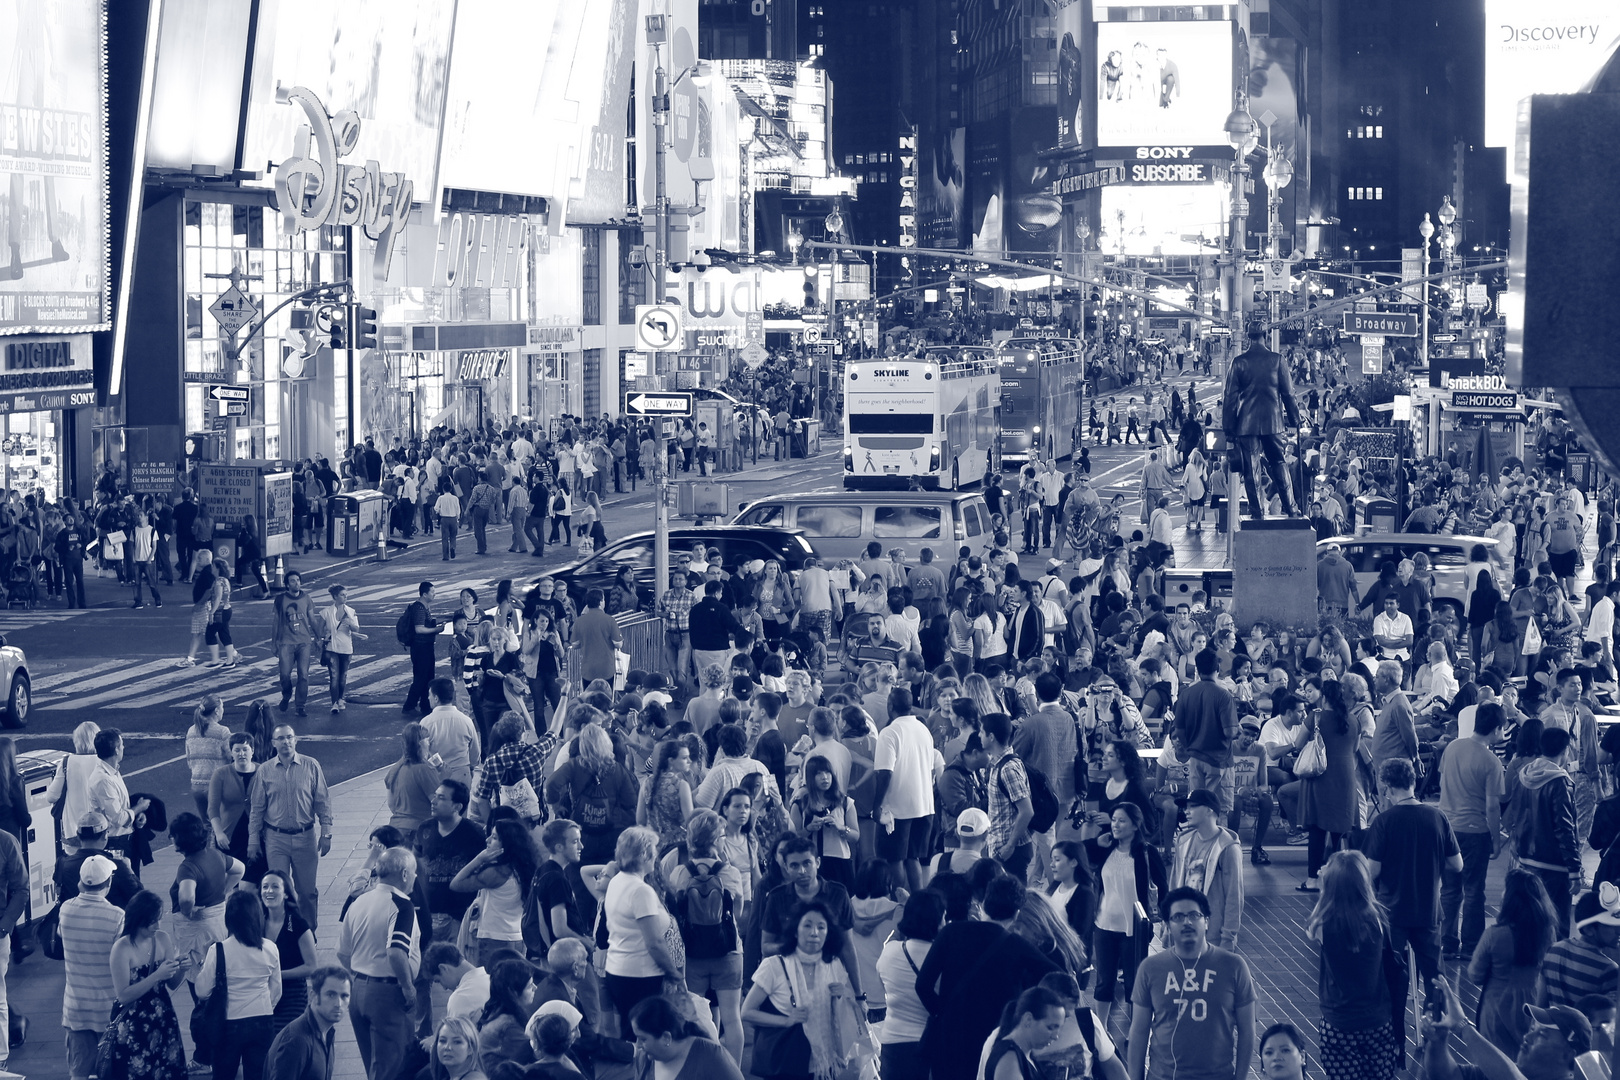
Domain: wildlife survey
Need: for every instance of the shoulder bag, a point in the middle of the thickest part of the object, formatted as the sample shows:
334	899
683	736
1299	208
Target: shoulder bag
208	1019
1312	760
781	1051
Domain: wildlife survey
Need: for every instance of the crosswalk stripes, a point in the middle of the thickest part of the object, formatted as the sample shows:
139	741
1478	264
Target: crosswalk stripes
160	684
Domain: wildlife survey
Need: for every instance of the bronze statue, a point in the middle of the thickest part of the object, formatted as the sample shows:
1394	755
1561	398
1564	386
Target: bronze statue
1258	392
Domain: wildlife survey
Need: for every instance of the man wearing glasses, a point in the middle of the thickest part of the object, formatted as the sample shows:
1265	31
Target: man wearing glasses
1193	1003
289	800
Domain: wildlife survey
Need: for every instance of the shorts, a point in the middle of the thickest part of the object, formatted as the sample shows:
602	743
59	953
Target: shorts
909	840
1563	562
1195	502
720	973
199	618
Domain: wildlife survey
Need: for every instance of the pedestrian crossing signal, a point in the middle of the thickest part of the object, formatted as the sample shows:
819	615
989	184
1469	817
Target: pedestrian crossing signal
365	328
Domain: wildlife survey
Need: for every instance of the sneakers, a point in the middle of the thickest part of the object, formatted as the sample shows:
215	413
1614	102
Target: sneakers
1259	857
284	703
1299	839
185	661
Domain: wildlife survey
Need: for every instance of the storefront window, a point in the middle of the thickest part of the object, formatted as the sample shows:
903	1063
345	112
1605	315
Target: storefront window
30	453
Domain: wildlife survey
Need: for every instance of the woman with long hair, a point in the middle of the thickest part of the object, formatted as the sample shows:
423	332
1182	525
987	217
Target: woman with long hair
294	940
778	602
1483	596
623	597
15	816
218	630
825	814
596	791
261	727
666	795
1070	889
989	639
501	875
1499	648
1050	933
1329	803
959	632
411	781
1029	1024
1127	865
805	987
708	968
1522	602
1124	781
897	966
1351	929
202	603
738	845
541	659
207	747
254	985
977	689
503	1025
144	1032
1507	961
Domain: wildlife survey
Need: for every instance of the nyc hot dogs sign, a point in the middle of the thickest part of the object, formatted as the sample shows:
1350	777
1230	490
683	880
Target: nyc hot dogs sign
314	187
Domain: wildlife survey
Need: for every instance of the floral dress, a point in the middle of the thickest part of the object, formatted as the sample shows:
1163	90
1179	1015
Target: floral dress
664	814
146	1032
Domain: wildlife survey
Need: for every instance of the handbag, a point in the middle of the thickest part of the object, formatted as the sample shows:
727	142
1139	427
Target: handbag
1312	760
521	797
208	1019
109	1064
781	1051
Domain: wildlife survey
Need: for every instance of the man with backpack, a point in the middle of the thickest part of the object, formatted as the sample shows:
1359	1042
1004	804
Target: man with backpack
1011	809
417	631
705	894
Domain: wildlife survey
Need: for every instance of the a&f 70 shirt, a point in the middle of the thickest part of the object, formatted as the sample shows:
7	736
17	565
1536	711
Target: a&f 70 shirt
1194	1007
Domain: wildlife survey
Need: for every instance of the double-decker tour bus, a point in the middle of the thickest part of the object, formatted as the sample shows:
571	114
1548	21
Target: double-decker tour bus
1041	380
927	422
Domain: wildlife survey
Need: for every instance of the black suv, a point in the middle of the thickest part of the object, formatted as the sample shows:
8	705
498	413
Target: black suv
738	544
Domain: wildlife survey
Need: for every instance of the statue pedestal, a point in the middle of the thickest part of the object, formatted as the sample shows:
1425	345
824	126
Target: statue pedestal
1274	576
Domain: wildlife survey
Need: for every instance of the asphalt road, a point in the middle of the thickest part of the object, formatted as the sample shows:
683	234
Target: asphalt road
117	665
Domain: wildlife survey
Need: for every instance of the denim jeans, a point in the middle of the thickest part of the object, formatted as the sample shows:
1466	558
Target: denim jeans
1464	893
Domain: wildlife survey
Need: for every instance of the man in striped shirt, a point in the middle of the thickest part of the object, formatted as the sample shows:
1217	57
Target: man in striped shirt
1583	963
90	926
381	946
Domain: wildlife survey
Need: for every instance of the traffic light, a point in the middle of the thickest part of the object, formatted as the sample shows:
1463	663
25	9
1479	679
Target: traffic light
337	317
812	291
365	327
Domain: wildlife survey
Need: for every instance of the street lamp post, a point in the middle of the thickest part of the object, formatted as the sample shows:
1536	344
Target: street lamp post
1279	172
1425	230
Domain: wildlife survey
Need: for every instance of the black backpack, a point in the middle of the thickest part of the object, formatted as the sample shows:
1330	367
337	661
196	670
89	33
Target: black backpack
703	912
1042	802
405	628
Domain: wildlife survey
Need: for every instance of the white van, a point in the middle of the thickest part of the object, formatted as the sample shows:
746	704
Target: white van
840	524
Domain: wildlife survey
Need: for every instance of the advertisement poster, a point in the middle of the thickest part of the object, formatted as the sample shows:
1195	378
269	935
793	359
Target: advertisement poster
1163	83
940	187
1274	87
1541	47
385	59
543	120
278	513
1164	219
1068	21
53	167
1034	216
987	175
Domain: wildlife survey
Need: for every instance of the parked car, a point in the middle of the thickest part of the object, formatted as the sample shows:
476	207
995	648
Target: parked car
737	545
18	688
1448	557
840	524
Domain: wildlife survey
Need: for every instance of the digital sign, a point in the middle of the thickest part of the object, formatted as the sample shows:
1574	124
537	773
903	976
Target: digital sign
1068	29
53	167
1163	218
1163	82
1541	47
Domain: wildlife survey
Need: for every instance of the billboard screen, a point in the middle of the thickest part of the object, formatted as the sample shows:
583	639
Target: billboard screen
53	167
943	154
1541	47
1068	22
385	59
1163	82
1166	219
546	121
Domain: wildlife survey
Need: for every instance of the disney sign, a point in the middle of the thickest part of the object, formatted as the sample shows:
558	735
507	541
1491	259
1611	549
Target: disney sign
313	189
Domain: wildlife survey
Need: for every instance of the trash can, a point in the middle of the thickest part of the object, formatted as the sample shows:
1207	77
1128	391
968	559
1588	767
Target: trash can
37	767
354	521
225	544
1375	514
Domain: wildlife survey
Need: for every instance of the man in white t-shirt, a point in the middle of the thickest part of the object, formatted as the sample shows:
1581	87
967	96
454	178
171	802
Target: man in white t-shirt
1392	629
1600	623
906	764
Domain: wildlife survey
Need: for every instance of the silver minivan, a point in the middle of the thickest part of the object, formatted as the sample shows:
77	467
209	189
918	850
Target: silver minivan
839	524
1448	557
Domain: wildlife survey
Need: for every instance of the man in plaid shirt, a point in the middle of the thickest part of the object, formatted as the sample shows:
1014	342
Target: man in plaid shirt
514	762
1010	807
675	608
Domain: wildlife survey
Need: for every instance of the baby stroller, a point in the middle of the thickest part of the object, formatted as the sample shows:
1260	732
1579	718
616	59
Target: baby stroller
22	586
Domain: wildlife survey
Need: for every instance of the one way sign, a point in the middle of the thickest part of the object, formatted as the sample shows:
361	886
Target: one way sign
660	404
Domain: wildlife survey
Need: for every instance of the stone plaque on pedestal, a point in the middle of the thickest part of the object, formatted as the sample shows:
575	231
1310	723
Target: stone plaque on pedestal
1274	576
